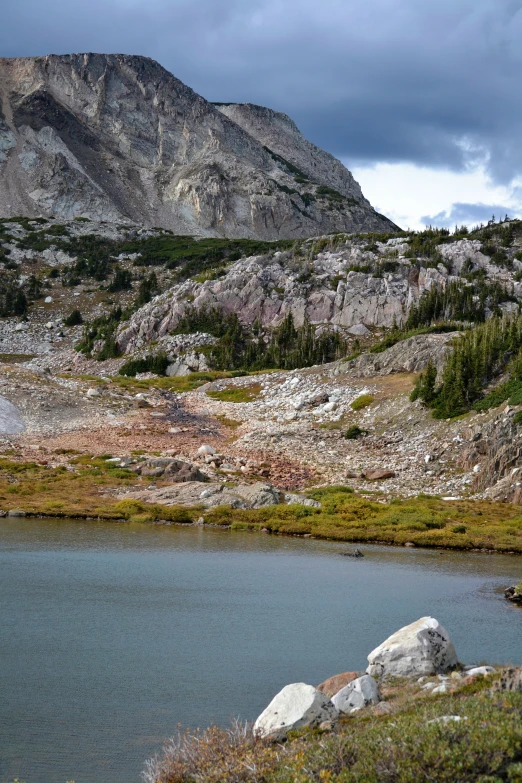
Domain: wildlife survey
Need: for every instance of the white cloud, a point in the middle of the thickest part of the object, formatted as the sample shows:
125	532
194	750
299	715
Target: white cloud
406	192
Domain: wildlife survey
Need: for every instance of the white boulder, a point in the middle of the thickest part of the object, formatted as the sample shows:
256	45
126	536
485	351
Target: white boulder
422	648
93	393
357	694
296	705
477	671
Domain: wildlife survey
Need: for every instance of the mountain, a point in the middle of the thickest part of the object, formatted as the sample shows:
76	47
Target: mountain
118	138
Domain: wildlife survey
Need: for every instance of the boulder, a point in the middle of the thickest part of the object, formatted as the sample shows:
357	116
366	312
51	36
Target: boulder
206	449
480	671
334	684
379	474
190	362
10	419
510	680
514	593
357	694
359	330
258	495
296	705
301	500
422	648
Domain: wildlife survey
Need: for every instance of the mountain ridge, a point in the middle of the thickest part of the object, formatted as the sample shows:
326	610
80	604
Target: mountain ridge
117	137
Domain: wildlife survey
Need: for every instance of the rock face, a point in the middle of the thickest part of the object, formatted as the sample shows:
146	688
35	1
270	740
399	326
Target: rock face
278	133
358	694
326	289
495	445
422	648
10	420
295	706
115	137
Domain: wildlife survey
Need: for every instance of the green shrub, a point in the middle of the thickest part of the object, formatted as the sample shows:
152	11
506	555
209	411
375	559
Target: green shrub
362	402
354	432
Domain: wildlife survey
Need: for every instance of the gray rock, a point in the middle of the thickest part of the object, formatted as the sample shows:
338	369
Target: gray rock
422	648
511	680
187	363
11	422
411	355
357	695
258	495
359	330
447	719
15	513
291	498
297	705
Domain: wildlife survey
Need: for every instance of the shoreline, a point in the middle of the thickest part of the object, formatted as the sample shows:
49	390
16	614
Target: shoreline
256	529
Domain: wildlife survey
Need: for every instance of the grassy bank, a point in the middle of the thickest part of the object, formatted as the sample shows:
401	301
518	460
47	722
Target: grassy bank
423	521
82	490
408	745
91	487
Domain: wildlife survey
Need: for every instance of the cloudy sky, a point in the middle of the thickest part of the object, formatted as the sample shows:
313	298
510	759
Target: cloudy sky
421	99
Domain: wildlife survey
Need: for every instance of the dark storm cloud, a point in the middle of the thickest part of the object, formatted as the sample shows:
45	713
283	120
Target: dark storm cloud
468	214
434	82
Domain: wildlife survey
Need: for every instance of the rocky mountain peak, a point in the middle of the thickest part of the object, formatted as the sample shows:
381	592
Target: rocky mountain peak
117	137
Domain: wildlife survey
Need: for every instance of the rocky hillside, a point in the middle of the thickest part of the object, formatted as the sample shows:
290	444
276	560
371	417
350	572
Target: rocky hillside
350	283
117	137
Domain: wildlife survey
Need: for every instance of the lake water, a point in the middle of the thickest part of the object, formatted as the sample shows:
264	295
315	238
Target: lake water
112	634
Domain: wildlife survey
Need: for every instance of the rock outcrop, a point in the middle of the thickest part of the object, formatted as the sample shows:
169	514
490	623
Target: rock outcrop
422	648
326	289
193	492
297	705
411	355
116	137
